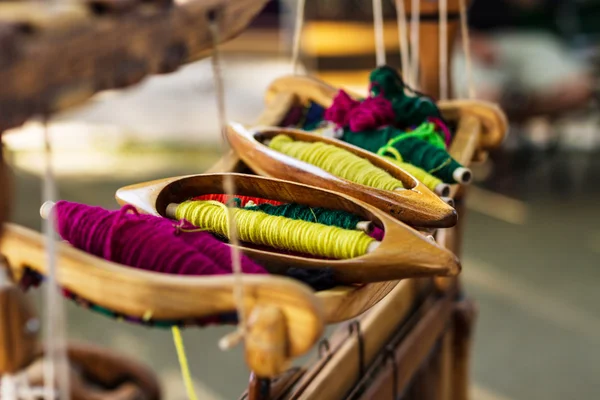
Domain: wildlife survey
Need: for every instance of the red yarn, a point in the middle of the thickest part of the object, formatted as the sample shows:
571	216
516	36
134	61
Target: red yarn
145	241
373	113
222	198
339	111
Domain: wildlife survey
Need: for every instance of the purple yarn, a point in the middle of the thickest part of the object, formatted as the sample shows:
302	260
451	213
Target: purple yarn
144	241
377	234
339	111
373	113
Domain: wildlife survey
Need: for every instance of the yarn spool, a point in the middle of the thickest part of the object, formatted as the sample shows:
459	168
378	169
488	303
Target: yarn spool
341	219
274	231
432	159
143	241
417	152
433	183
336	161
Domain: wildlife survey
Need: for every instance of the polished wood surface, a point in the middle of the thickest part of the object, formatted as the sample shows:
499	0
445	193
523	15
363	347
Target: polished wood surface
403	252
413	350
415	204
166	297
376	327
53	57
19	326
265	342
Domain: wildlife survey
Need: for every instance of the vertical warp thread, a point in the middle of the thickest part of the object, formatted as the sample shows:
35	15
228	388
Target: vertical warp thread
297	36
403	41
378	27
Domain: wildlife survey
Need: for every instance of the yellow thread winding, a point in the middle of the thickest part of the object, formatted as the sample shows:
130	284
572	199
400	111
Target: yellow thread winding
422	176
183	363
336	161
275	231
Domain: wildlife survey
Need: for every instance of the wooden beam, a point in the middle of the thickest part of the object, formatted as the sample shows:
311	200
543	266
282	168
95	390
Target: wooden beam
52	59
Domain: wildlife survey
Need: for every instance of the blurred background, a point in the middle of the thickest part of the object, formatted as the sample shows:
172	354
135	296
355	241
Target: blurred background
532	241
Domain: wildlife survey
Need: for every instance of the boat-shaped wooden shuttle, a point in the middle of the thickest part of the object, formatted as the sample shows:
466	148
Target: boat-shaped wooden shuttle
403	252
415	204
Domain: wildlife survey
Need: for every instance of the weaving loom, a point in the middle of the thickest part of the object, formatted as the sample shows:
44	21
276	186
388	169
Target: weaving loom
305	245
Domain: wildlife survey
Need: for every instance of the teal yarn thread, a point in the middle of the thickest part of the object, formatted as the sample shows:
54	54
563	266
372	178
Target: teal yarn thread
422	154
412	149
409	110
339	218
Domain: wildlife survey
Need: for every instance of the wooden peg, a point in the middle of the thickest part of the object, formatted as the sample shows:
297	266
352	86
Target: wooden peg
266	341
19	327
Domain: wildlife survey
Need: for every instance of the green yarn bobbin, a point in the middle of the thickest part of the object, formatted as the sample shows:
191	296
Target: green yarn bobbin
321	215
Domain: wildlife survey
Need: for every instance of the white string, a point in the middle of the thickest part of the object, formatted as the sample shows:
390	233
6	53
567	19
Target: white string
464	25
443	40
298	36
378	26
403	41
55	361
229	188
414	45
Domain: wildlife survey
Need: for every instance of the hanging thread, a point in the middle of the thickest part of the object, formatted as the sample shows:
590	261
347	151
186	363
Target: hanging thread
274	231
341	219
443	43
378	27
464	28
297	35
336	161
183	362
403	41
229	188
414	36
243	200
55	367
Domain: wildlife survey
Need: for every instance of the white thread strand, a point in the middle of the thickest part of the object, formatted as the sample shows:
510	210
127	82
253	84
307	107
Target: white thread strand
228	185
414	42
464	27
403	41
298	36
55	361
378	26
443	40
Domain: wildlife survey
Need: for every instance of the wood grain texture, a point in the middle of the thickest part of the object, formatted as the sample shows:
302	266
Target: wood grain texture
376	327
403	253
19	329
265	342
167	297
415	205
413	350
55	58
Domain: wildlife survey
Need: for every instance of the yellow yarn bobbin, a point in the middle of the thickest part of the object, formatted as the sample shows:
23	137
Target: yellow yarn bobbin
279	232
432	183
336	161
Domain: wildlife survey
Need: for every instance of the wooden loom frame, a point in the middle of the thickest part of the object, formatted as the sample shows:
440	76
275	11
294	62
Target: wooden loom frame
62	94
